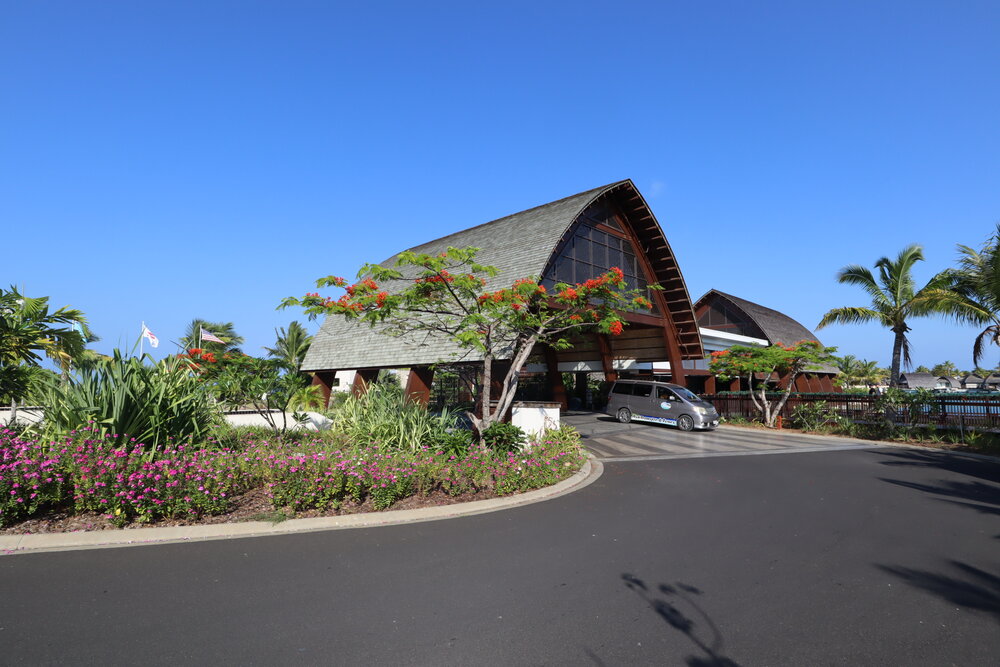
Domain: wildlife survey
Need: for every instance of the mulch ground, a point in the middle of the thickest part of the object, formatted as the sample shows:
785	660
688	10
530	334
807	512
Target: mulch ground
252	506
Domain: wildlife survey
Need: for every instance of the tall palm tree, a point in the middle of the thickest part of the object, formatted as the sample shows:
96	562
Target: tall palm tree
291	346
894	300
975	291
226	331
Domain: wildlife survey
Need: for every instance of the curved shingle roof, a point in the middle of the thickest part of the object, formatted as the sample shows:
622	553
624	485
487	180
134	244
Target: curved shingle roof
777	327
518	245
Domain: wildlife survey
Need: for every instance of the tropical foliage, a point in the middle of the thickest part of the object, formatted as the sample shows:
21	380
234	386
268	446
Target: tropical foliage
29	329
975	284
225	331
786	361
152	402
445	295
894	300
383	415
290	346
262	385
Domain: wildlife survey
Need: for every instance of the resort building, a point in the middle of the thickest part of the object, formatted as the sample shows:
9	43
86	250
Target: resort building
570	240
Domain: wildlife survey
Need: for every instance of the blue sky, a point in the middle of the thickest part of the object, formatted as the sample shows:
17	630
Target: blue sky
169	160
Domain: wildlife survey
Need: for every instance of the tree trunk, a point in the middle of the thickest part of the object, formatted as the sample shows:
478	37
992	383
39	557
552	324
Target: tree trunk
897	351
13	413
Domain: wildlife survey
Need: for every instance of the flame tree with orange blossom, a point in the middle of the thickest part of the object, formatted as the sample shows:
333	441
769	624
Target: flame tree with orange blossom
750	362
445	295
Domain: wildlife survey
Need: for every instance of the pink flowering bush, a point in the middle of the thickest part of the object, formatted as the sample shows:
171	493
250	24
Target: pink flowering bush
127	482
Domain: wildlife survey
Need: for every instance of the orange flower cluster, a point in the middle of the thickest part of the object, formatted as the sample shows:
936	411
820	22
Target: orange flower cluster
616	327
642	302
569	294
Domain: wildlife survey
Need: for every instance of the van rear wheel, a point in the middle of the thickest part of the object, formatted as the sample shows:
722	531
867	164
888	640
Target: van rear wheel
685	423
624	416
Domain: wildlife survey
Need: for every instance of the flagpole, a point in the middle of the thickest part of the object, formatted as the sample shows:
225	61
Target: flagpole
142	335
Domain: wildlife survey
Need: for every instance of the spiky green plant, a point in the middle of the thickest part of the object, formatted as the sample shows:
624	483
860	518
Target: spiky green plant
132	397
382	415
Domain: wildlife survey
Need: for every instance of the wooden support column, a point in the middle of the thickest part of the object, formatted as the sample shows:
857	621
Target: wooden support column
556	386
363	378
710	384
418	384
607	360
324	380
677	373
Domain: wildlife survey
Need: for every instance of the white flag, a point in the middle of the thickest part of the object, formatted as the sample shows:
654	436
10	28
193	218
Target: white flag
148	335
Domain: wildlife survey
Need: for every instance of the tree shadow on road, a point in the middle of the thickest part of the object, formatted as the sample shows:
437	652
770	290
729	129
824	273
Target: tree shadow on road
981	493
969	587
667	600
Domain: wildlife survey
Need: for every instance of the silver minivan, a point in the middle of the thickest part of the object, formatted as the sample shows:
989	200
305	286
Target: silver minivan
660	403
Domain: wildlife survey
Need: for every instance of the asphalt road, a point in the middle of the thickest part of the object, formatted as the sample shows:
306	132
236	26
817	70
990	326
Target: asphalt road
856	557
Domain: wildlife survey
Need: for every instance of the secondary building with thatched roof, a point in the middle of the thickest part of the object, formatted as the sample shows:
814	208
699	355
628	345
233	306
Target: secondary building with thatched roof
569	240
725	320
972	382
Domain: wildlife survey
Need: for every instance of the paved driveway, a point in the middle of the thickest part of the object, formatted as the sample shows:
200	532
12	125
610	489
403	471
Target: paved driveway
861	557
609	440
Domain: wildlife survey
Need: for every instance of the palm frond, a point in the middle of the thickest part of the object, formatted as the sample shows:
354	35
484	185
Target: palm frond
852	315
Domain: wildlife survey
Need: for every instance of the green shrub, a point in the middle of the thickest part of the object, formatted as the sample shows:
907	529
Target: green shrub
814	416
382	415
457	441
504	437
151	403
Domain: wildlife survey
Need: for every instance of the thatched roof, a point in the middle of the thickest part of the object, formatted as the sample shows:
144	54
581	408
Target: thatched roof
518	245
776	326
919	380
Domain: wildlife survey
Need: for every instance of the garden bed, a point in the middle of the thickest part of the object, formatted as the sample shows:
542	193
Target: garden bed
88	482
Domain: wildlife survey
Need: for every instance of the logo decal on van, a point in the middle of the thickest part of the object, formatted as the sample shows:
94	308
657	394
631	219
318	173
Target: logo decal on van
658	420
665	405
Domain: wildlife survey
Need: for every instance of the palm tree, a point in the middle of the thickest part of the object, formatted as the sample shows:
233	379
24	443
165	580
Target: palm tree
226	331
848	366
870	373
975	289
27	330
291	346
894	300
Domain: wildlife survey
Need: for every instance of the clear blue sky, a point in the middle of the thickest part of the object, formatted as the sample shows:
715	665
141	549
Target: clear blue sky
162	161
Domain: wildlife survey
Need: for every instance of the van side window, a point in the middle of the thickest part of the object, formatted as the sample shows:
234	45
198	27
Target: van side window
643	389
622	389
665	394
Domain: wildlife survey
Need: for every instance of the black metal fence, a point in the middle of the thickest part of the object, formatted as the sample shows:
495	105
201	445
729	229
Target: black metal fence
978	411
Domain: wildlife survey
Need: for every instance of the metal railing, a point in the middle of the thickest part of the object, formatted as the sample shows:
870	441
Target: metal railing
978	411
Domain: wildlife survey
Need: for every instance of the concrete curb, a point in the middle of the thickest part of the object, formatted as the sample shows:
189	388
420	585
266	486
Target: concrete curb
102	539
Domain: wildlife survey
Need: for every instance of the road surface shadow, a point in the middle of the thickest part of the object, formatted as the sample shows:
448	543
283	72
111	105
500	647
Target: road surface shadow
667	600
968	587
981	493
